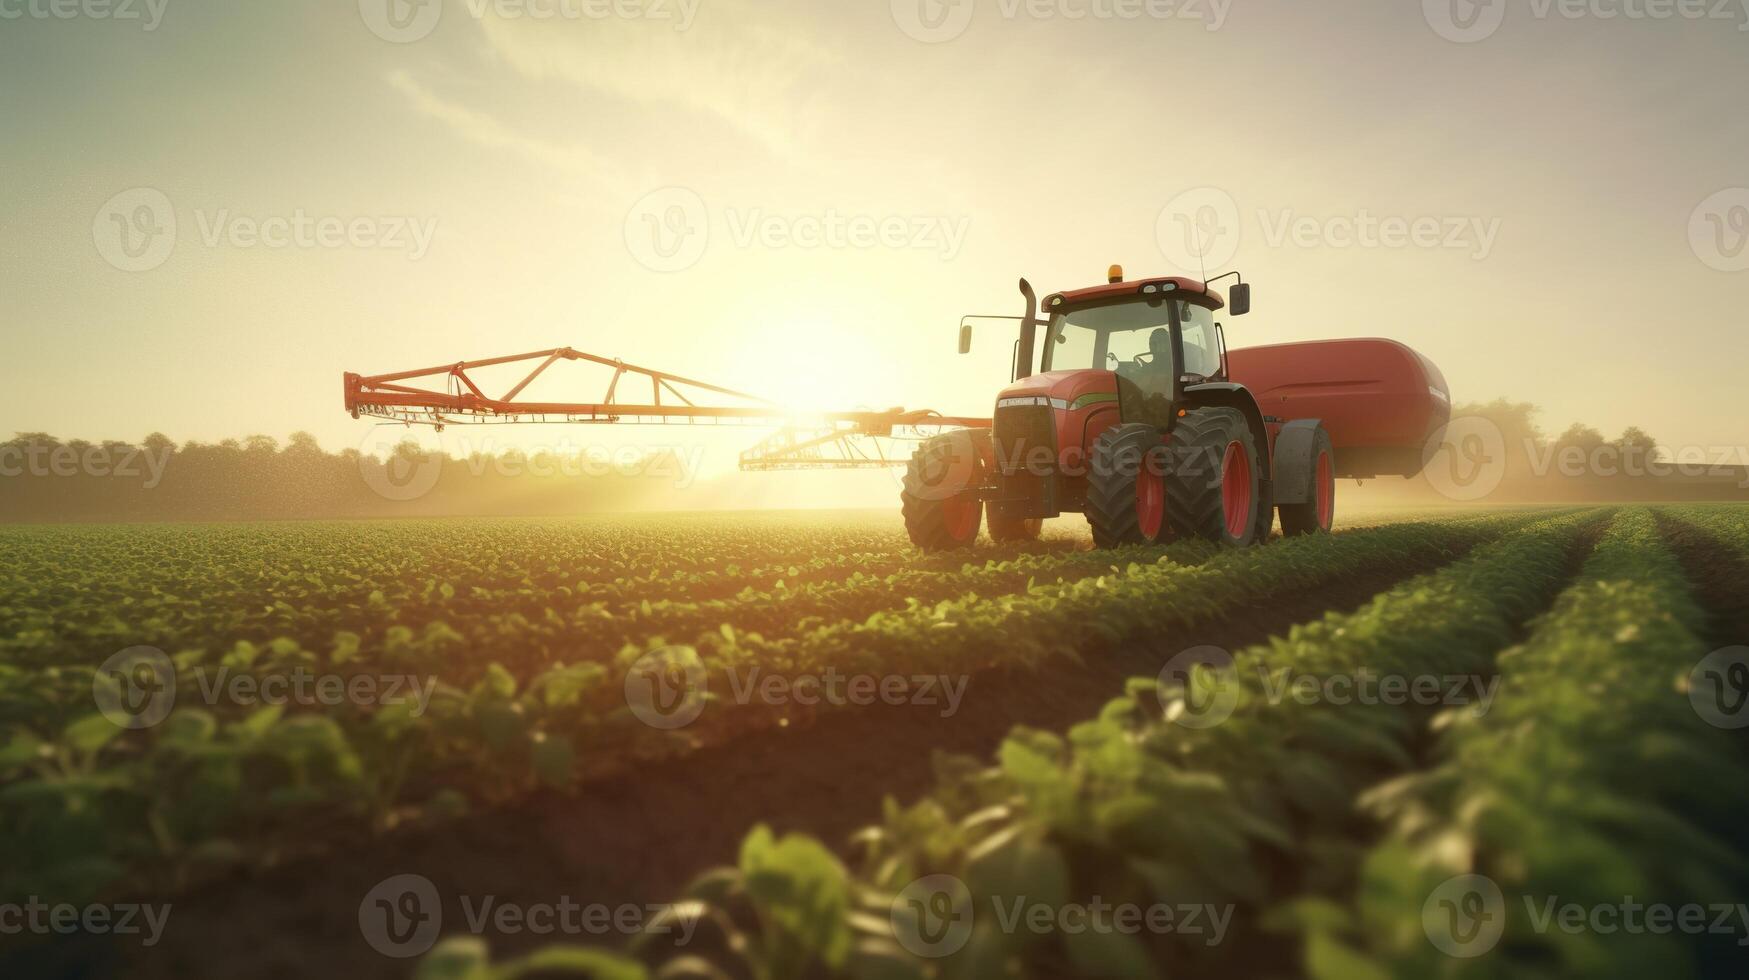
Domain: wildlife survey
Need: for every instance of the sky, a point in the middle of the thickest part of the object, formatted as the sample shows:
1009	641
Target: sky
210	210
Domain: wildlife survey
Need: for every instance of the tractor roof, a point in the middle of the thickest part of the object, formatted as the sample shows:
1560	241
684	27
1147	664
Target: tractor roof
1112	290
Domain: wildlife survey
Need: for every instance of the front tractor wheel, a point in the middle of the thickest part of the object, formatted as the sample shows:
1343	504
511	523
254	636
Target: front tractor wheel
1215	487
940	495
1126	486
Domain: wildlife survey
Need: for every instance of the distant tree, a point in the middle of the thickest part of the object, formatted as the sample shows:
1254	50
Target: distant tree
158	443
303	444
1580	436
1634	438
262	444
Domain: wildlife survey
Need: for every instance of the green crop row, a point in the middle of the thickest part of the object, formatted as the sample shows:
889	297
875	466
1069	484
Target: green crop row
1201	792
1596	782
217	780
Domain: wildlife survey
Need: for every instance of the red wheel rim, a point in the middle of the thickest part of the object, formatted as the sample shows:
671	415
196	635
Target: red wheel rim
1326	492
1150	501
1236	489
961	515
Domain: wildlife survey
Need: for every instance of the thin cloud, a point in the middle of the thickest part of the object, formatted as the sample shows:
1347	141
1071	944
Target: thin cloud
481	128
758	79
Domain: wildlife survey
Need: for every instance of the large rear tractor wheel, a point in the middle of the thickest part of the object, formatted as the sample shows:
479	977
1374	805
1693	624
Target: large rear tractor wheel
1214	488
1318	512
940	495
1126	486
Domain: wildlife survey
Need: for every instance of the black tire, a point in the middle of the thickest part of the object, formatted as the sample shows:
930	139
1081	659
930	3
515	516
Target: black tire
939	498
1196	497
1318	512
1126	484
1012	528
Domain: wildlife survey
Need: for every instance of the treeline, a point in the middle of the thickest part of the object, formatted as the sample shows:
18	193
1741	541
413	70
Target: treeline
44	479
1497	453
1494	453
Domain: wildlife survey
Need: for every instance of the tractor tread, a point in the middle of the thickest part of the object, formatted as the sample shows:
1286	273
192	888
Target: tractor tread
1111	483
1194	505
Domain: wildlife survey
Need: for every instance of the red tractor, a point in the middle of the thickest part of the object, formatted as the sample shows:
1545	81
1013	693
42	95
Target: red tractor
1139	417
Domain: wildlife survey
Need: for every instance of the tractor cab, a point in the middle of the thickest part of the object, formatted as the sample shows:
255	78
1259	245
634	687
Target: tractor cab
1150	338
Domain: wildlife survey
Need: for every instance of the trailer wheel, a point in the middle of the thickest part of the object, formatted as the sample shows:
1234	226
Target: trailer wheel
940	495
1214	485
1013	528
1126	486
1318	512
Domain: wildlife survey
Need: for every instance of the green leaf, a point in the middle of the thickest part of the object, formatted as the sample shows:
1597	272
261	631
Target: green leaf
90	733
554	760
1328	958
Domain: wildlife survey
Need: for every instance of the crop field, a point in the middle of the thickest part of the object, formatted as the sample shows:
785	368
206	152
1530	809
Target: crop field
796	747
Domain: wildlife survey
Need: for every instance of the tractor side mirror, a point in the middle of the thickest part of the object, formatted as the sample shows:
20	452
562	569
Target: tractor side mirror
965	338
1239	299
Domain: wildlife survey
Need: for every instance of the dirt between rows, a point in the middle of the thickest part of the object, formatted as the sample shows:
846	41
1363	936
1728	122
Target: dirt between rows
641	837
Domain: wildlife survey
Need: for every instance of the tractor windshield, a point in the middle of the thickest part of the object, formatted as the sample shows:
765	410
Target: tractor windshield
1132	338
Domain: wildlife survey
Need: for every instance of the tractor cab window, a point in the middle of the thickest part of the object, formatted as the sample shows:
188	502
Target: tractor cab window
1202	345
1132	339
